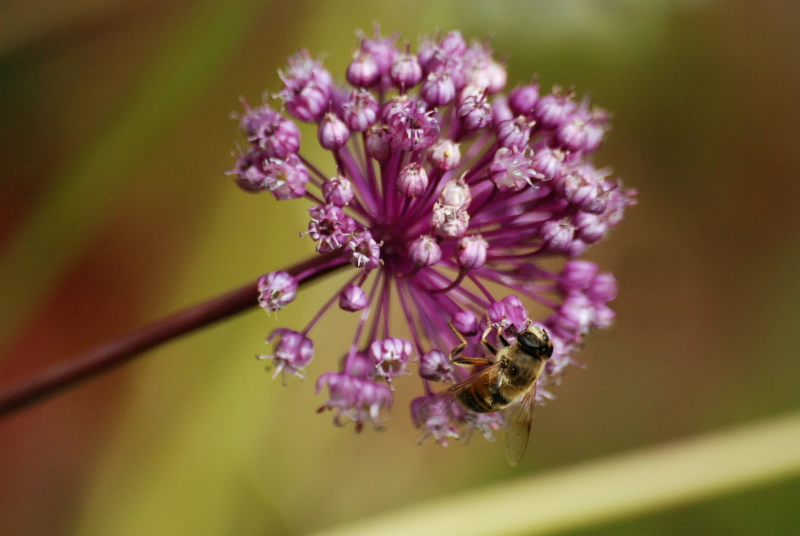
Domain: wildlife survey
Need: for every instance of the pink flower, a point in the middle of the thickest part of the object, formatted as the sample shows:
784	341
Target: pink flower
293	351
469	243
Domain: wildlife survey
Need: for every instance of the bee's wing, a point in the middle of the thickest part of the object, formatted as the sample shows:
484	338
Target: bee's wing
475	378
444	401
518	427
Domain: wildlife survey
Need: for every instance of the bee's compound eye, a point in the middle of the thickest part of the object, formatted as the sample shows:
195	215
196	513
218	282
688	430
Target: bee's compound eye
529	342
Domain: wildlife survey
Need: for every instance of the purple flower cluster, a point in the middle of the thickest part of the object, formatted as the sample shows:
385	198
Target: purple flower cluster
450	198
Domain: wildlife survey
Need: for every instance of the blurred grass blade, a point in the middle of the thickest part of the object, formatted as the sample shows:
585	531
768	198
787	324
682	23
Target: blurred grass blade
606	490
62	223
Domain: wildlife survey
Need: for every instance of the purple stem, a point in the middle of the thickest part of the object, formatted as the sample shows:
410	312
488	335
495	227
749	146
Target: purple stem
351	169
327	306
348	362
59	377
401	290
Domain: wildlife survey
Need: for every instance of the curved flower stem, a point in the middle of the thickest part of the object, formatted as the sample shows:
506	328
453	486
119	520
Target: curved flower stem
120	350
605	490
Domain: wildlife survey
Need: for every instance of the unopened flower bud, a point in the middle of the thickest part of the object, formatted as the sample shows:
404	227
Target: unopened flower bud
352	298
438	89
576	248
412	180
523	99
589	227
396	109
424	252
360	365
474	112
453	43
338	191
377	143
577	275
496	77
549	163
362	71
571	134
575	314
382	51
361	111
466	322
445	155
514	132
557	235
332	133
406	71
603	288
582	189
552	111
603	316
426	52
500	110
471	252
482	71
595	130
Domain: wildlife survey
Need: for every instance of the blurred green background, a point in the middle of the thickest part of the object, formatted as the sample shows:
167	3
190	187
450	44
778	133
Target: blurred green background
114	210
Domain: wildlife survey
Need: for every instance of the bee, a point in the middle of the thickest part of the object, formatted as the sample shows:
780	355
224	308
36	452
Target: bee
508	383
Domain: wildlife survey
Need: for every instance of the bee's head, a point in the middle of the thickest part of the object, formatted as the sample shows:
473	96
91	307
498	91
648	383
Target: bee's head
535	341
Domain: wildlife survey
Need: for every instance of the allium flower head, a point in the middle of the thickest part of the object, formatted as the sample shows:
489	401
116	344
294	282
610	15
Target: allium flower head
453	207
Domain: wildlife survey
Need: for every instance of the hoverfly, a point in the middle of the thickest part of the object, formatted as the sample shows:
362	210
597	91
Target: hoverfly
508	383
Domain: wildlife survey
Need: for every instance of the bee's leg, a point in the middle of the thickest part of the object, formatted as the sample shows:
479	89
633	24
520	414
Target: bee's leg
503	340
460	348
489	346
473	361
462	342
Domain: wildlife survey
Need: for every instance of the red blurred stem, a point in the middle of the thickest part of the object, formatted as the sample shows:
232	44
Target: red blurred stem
118	351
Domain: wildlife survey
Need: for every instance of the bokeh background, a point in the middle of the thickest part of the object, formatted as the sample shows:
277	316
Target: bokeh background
114	210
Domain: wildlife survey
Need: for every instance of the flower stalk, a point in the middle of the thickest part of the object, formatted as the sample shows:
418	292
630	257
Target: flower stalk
123	349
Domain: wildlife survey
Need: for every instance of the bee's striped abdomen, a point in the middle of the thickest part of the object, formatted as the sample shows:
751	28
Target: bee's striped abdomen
483	398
